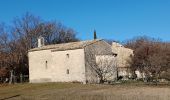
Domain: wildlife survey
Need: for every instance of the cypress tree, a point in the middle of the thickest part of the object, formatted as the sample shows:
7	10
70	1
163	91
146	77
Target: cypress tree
95	35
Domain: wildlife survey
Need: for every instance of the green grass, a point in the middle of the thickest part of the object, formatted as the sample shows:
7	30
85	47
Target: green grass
75	91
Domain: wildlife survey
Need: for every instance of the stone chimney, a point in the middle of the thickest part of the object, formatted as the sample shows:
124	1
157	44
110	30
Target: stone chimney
115	44
40	41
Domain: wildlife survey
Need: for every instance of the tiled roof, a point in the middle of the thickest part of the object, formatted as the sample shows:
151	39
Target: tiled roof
66	46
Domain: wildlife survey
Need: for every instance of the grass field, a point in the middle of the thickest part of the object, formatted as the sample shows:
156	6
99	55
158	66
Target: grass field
74	91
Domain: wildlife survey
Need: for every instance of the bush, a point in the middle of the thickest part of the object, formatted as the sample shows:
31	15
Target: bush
165	75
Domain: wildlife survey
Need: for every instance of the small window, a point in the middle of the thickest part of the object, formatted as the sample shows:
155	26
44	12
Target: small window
115	55
67	55
67	71
131	55
46	64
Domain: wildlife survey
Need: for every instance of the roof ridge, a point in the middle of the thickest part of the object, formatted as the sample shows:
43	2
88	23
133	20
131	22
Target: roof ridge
96	40
71	42
66	46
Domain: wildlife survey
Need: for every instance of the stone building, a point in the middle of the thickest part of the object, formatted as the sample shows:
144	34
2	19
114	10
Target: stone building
67	62
122	59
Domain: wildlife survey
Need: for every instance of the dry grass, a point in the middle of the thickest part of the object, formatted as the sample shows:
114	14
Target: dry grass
70	91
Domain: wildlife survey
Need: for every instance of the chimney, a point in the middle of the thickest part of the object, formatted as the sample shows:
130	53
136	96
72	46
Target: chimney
40	41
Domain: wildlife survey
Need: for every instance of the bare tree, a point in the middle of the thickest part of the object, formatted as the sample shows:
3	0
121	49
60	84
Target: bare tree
106	67
150	56
100	61
22	35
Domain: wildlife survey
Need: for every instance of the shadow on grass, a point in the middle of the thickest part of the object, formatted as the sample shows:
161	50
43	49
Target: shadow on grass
10	97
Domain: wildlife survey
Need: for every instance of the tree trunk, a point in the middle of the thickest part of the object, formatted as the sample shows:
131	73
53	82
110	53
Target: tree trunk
21	78
101	80
117	74
11	77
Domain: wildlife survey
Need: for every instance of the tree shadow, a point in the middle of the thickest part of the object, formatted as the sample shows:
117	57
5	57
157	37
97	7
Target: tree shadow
10	97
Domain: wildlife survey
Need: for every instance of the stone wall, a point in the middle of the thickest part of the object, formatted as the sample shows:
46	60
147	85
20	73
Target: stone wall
98	48
123	57
57	66
66	66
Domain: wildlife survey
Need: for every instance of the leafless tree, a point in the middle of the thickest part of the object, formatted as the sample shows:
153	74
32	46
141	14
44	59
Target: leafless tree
100	61
151	56
106	67
22	35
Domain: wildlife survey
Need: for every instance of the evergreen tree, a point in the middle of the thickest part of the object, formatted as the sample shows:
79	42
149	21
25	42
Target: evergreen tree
95	35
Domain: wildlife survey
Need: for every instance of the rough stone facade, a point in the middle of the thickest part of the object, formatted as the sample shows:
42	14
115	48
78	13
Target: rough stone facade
122	59
60	66
98	48
67	62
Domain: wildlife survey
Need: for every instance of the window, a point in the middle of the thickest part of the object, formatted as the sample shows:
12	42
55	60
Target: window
67	71
67	55
46	64
131	55
115	55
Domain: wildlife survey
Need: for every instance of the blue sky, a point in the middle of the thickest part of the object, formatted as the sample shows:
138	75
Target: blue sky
112	19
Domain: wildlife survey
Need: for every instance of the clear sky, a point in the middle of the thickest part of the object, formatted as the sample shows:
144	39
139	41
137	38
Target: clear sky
112	19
